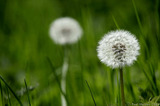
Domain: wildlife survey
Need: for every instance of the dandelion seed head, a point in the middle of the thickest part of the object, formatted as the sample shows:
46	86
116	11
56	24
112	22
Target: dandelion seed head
65	31
118	48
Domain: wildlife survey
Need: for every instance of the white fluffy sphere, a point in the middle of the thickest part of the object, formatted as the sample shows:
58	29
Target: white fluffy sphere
65	31
118	48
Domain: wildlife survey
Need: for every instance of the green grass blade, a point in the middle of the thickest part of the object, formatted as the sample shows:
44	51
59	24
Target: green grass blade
115	22
55	75
19	101
155	82
1	92
150	81
57	79
8	96
91	93
137	16
157	18
27	92
118	90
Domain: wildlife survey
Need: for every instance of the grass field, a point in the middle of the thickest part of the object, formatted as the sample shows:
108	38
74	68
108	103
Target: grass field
25	45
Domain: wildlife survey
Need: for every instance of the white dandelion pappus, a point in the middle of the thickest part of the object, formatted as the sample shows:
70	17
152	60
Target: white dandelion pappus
65	31
118	48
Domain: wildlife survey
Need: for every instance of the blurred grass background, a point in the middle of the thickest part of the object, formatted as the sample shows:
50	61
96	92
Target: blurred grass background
25	44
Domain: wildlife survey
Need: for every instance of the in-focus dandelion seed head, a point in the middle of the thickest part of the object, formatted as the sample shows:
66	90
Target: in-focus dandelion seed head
118	48
65	31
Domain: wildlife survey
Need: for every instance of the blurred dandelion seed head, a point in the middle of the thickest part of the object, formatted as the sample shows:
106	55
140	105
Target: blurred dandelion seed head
65	31
118	48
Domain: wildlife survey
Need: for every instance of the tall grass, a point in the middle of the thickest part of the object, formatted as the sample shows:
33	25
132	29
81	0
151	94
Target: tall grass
11	91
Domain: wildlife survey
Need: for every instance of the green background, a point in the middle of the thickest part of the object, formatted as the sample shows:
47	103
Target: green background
25	45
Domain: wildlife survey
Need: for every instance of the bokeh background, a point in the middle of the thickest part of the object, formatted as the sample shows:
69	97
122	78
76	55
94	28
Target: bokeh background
25	44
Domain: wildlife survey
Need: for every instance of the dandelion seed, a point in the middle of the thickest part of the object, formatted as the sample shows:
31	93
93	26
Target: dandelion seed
65	31
118	48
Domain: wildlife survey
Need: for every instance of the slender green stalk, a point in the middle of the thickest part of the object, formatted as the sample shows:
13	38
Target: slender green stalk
137	16
91	93
64	75
27	92
157	17
112	73
118	90
122	87
115	22
8	96
57	79
55	75
156	92
155	82
81	68
1	92
19	101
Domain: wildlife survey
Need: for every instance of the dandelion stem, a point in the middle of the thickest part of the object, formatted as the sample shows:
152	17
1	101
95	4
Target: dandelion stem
64	73
122	87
